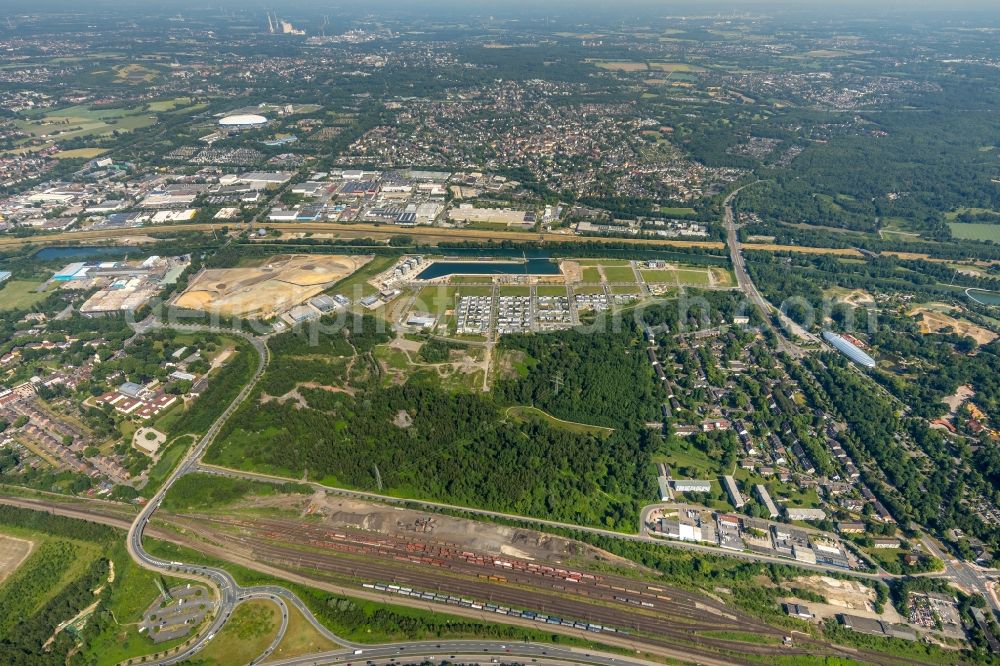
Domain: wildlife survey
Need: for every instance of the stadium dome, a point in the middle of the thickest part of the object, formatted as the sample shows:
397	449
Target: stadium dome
243	120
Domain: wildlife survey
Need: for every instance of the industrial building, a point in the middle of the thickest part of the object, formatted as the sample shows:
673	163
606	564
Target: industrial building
849	349
865	625
799	611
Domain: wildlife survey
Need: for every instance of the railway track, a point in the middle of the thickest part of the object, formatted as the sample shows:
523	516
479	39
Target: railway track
653	615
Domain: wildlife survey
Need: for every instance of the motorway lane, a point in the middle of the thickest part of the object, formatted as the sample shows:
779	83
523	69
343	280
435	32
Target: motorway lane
282	629
746	285
473	651
229	591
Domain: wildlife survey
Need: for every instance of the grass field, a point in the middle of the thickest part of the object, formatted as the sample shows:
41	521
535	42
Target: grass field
619	273
301	638
80	121
169	104
689	276
625	289
973	231
588	290
515	291
676	67
591	274
603	262
693	276
54	563
19	295
676	212
356	286
550	290
475	291
135	73
245	636
80	153
134	589
436	299
523	413
620	65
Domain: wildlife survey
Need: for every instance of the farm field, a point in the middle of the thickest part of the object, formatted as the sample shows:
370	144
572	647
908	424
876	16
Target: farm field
620	65
676	67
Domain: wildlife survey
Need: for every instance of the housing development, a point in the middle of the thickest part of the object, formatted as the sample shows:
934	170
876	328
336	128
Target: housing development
499	334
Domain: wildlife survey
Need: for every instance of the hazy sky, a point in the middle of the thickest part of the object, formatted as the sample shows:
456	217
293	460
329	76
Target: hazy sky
507	6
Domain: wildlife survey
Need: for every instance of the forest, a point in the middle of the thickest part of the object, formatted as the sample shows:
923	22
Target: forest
417	439
600	377
928	490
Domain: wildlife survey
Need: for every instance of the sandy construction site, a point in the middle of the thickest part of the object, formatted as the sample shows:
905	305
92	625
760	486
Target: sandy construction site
934	319
13	552
269	289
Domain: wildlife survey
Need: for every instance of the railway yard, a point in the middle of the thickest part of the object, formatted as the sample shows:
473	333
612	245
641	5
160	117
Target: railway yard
585	592
407	557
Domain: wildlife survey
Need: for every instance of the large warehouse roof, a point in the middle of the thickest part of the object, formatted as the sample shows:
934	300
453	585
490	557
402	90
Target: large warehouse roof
243	120
849	349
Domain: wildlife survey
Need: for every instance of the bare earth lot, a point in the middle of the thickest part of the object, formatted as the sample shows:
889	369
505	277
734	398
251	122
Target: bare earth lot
933	320
271	288
12	553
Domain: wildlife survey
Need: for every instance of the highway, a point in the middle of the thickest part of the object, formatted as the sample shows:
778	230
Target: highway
231	594
472	650
748	287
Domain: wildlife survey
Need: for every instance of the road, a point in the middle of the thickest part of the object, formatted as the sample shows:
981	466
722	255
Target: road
643	534
747	286
965	575
231	594
462	651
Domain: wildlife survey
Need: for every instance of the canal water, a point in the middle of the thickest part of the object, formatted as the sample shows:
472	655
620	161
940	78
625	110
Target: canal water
81	253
